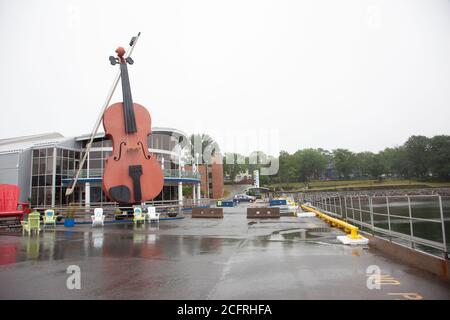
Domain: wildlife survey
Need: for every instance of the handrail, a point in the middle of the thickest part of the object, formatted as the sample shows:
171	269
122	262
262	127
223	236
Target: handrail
360	209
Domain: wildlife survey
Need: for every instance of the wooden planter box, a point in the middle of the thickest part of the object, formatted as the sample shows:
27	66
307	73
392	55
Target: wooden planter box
271	212
207	213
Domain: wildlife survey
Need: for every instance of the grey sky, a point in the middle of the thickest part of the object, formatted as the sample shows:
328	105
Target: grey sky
355	74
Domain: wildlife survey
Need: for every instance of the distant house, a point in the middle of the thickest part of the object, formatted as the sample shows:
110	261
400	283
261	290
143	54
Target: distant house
244	178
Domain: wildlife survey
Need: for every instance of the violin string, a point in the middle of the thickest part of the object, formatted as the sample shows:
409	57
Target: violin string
132	122
125	109
129	101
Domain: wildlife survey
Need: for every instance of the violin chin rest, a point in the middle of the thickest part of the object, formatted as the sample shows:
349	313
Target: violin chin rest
120	193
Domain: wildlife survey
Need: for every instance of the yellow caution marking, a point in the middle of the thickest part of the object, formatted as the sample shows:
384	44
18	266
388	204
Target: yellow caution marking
407	295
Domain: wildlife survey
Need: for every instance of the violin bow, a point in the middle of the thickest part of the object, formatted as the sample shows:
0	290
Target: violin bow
70	190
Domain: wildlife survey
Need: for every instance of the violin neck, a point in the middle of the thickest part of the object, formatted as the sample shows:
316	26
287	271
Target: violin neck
128	110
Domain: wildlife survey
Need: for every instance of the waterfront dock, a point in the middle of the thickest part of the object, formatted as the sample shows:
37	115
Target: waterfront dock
229	258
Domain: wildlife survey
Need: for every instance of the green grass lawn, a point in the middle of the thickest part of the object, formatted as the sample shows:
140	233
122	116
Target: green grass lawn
363	184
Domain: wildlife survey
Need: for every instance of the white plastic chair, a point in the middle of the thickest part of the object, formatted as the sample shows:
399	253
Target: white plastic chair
98	217
152	215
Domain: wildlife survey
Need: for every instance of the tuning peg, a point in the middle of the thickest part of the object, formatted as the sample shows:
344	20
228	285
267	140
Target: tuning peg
129	60
113	60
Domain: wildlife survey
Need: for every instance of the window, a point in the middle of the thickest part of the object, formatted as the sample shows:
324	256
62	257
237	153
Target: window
95	155
42	166
48	196
58	165
58	196
95	164
40	199
35	166
34	196
48	180
64	164
96	143
49	166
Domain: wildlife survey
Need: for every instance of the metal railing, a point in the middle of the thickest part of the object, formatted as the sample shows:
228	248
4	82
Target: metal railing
416	221
168	173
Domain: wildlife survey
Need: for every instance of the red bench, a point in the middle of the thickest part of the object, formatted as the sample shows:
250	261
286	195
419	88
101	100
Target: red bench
10	207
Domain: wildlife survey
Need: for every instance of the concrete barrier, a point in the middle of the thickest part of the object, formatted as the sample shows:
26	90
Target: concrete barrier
272	212
207	213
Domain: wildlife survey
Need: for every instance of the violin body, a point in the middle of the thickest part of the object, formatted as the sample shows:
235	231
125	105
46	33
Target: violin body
131	173
130	149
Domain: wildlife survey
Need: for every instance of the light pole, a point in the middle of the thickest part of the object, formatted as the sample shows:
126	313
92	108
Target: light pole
180	184
198	184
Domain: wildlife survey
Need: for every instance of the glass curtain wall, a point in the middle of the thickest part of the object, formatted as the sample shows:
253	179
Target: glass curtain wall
47	164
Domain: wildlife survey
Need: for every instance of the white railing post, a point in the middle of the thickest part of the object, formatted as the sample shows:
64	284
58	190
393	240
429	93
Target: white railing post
360	211
371	212
345	205
444	240
353	208
389	218
410	223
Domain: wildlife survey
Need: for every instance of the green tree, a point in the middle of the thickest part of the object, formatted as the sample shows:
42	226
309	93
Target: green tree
370	164
417	149
439	158
287	171
344	162
310	163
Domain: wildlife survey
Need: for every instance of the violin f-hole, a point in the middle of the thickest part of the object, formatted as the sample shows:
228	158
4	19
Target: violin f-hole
143	150
120	151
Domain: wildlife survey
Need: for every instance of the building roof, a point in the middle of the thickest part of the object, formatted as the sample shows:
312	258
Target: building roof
18	144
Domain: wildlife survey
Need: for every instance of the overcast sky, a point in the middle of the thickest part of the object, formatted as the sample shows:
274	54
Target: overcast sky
355	74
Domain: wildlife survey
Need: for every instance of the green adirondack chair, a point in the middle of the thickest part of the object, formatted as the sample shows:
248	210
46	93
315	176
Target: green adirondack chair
33	223
49	218
138	215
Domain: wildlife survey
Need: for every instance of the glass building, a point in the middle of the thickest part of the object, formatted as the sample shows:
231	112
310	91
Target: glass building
44	166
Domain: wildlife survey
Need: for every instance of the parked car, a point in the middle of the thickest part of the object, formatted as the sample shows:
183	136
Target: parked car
243	198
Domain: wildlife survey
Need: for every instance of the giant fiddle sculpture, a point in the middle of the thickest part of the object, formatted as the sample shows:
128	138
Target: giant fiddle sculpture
131	173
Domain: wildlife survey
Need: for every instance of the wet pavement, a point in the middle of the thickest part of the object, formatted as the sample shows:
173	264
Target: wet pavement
230	258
